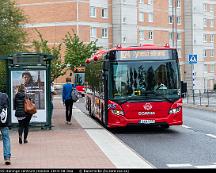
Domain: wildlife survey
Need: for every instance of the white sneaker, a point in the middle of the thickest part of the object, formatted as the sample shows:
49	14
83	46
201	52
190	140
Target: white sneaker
69	123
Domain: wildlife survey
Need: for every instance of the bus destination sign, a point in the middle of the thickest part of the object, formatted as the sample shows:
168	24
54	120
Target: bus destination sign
80	69
143	54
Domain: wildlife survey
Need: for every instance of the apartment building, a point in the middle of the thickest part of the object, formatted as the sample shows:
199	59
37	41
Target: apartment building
188	25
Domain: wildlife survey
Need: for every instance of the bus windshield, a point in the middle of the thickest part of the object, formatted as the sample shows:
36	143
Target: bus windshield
136	80
79	78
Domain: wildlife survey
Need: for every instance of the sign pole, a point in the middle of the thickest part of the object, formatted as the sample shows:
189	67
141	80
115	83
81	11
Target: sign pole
193	60
193	82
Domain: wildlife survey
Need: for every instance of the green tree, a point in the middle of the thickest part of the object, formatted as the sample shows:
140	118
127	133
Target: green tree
76	51
57	66
12	35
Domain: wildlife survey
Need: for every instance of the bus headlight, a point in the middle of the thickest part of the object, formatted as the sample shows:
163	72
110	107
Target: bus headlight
117	112
175	110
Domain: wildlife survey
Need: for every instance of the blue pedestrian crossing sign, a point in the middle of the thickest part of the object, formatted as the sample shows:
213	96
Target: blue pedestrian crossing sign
192	59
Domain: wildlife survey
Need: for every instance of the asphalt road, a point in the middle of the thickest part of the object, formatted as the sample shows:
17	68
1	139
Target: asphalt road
192	145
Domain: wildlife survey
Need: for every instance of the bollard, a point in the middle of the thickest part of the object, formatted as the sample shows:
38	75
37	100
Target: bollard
187	95
193	98
208	97
200	97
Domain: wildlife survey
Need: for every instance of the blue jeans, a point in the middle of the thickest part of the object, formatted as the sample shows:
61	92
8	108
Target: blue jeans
6	142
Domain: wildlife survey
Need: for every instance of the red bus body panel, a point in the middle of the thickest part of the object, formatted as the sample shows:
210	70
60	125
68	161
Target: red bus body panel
80	89
134	112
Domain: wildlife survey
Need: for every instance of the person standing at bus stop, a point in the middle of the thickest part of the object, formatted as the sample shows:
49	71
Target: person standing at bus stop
53	92
4	104
67	99
22	117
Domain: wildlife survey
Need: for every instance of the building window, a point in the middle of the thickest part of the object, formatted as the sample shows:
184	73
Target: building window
150	35
178	3
204	53
170	3
92	11
178	35
93	32
170	19
205	22
205	38
212	23
124	19
104	13
150	2
150	17
104	33
205	7
212	68
171	36
141	1
211	52
124	39
141	17
211	38
211	8
141	35
178	20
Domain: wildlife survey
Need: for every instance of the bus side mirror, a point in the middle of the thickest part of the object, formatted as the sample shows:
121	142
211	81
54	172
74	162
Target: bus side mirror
183	88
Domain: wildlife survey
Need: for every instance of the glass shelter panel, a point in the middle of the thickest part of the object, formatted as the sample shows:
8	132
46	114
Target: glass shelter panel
35	88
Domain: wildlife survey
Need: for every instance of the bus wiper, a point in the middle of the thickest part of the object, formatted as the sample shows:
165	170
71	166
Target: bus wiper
158	94
130	98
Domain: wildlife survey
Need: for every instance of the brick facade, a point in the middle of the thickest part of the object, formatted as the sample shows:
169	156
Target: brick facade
54	18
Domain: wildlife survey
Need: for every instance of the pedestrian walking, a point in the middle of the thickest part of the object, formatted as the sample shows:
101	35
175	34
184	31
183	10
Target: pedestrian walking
53	92
67	99
22	117
4	102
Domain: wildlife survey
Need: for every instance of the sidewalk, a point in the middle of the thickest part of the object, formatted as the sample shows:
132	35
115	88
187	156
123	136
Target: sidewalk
210	108
84	144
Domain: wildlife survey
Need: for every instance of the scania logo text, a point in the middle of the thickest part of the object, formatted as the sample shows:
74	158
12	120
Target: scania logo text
147	106
146	113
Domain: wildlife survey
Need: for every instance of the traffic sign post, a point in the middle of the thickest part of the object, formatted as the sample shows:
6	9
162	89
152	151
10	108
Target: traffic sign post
192	59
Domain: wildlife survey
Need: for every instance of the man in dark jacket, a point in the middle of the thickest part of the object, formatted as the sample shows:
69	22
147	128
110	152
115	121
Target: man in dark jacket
4	102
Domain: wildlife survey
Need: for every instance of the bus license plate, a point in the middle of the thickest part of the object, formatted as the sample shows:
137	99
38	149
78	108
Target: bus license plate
146	121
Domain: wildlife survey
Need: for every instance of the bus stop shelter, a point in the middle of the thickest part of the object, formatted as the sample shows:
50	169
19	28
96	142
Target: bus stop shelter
34	71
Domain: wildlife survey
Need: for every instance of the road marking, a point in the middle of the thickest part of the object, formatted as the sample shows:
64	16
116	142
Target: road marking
179	165
121	155
187	127
210	135
205	166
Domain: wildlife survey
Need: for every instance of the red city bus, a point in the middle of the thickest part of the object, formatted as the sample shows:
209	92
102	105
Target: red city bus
79	73
134	86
